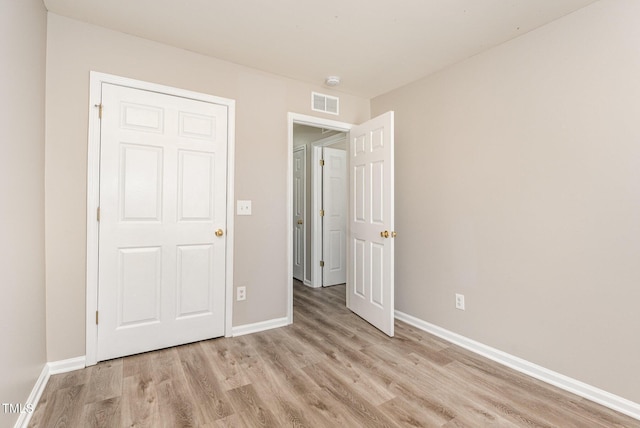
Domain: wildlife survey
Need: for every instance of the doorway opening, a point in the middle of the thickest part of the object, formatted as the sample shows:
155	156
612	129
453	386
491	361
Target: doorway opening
370	228
319	206
308	137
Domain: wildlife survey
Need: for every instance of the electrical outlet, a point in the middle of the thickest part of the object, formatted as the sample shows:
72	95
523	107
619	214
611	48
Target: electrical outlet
241	293
244	207
460	301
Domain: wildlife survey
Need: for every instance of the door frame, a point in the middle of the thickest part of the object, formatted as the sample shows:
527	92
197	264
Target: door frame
96	80
317	122
316	203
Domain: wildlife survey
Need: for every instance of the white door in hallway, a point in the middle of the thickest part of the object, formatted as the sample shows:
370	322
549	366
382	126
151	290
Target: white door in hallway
299	198
162	240
370	285
334	221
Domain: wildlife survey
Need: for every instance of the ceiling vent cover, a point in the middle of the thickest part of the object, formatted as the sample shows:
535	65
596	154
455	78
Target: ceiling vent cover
324	103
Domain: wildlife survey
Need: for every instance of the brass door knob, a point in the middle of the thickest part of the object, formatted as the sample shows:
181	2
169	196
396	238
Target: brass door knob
384	234
219	232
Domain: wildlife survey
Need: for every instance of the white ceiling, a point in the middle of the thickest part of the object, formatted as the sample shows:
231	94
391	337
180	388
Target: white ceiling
374	45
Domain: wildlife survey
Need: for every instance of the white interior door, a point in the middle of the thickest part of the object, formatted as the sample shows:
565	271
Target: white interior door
162	238
370	288
299	198
334	222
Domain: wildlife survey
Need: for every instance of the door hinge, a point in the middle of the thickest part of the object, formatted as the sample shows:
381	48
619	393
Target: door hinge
321	213
96	317
98	214
99	110
321	263
321	162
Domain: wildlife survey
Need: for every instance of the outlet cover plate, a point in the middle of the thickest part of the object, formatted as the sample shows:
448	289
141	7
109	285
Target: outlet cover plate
460	301
244	207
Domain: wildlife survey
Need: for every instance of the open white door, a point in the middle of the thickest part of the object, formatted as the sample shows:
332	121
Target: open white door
370	288
162	249
334	228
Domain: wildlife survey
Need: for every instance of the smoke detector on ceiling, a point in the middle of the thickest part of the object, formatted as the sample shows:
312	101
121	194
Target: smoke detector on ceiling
332	81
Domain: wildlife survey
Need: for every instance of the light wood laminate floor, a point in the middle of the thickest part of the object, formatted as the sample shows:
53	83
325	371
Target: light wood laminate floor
328	369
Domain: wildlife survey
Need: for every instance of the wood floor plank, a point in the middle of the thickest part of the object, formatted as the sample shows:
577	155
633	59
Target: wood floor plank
55	383
105	381
231	421
515	389
329	369
73	378
291	412
202	381
251	408
354	367
175	402
550	406
441	401
166	366
479	419
275	374
102	414
65	409
353	402
427	340
229	359
176	409
329	411
410	412
138	365
139	406
280	385
301	352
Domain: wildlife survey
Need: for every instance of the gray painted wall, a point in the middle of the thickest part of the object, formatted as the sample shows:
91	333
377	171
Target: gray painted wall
518	185
23	29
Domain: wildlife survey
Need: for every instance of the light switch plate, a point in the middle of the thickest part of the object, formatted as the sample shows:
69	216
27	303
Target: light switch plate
244	207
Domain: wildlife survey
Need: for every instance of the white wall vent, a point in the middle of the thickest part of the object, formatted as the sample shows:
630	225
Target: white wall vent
324	103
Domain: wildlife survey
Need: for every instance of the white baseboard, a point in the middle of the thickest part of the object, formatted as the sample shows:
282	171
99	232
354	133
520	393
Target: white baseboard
574	386
259	326
34	397
63	366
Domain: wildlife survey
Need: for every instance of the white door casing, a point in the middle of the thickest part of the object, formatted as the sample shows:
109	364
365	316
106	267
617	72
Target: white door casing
163	194
370	284
334	229
299	202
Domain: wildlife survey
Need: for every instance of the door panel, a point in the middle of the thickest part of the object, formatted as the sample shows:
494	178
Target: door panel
194	280
196	177
299	198
141	183
161	274
370	286
359	193
139	283
359	267
334	203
